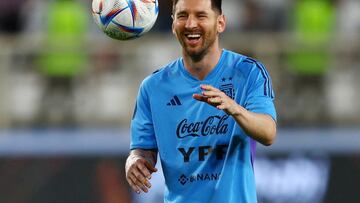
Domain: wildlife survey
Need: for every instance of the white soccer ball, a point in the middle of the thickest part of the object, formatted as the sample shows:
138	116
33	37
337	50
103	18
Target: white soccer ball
125	19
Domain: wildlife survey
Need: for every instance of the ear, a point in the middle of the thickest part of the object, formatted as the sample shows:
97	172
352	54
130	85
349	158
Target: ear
221	25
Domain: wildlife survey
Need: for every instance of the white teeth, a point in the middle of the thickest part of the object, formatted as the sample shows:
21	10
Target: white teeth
193	35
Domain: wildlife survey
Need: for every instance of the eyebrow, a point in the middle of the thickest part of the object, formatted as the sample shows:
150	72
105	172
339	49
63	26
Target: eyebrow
181	12
196	12
201	12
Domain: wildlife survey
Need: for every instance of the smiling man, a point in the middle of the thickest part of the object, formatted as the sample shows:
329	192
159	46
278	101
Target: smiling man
203	113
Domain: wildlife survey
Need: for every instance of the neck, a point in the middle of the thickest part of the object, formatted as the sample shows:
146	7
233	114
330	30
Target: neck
201	68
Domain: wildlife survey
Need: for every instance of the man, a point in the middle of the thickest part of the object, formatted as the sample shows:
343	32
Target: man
206	152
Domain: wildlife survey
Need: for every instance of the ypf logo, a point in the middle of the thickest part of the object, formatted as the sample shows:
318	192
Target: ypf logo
183	179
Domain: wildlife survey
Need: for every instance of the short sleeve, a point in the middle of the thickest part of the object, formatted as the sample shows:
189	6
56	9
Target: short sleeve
260	94
142	128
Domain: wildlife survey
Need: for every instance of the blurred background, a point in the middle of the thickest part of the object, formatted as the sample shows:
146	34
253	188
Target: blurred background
68	91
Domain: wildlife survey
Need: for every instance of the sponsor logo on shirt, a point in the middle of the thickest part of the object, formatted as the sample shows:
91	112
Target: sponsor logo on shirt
202	152
213	125
200	177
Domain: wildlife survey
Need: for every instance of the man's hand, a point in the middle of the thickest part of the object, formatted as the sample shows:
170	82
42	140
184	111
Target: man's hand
260	127
217	98
139	167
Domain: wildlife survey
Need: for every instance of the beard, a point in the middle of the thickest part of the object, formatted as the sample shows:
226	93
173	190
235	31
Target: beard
198	53
196	56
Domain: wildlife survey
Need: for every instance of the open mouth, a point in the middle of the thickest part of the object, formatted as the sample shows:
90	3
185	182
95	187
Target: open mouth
193	38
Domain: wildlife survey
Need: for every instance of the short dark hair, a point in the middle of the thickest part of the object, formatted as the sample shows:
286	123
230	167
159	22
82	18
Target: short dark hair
215	5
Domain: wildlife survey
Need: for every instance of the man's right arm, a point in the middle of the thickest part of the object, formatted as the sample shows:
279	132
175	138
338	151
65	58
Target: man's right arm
139	166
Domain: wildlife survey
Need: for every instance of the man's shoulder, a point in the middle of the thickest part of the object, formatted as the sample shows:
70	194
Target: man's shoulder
244	64
162	73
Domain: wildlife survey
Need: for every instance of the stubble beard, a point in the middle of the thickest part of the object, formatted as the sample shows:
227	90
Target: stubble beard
198	55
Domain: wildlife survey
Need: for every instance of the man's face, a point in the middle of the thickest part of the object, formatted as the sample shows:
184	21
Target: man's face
196	25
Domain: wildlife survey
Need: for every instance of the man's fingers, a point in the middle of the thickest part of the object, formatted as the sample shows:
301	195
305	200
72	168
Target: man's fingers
210	94
200	97
150	167
141	177
138	175
215	100
209	88
138	183
142	187
144	170
210	101
138	172
221	107
133	185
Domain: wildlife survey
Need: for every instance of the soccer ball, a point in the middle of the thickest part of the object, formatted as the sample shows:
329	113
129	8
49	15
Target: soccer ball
125	19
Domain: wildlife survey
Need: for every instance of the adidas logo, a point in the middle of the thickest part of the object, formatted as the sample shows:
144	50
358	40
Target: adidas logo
175	101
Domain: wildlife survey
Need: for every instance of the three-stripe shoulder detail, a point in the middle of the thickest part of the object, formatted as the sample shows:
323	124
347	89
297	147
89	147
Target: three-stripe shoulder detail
268	91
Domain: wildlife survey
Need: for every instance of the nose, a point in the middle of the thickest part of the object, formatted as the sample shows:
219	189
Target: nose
190	23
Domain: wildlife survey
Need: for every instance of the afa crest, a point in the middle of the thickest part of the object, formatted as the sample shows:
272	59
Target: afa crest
228	89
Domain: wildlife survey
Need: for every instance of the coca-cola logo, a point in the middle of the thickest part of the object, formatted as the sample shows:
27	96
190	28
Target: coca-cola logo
213	125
